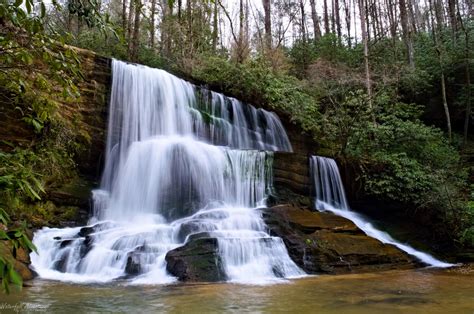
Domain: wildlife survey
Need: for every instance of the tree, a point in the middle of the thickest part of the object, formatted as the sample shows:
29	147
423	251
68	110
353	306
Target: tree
347	11
268	24
152	24
215	25
326	18
338	19
407	37
315	18
365	42
436	31
135	41
303	22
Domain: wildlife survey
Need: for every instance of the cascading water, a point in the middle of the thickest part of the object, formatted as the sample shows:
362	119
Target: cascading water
166	181
330	196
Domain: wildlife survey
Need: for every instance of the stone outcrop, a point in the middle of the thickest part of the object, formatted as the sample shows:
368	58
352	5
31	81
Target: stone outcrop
93	108
325	243
197	260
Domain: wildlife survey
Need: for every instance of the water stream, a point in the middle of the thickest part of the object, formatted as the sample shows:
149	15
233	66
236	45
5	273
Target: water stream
330	196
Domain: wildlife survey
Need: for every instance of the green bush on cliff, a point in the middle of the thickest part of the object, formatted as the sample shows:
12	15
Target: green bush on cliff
38	77
255	81
400	159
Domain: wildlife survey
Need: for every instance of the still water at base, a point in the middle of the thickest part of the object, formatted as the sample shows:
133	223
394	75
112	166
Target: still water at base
412	291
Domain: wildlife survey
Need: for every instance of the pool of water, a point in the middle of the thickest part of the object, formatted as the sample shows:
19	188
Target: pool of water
420	291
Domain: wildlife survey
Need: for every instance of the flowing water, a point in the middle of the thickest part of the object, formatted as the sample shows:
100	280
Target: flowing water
330	196
181	162
414	291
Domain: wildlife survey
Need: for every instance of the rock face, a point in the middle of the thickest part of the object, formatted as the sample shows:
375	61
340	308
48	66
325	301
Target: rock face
291	171
197	260
20	263
325	243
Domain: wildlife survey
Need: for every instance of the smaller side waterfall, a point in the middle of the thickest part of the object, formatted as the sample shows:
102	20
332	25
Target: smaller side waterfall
330	196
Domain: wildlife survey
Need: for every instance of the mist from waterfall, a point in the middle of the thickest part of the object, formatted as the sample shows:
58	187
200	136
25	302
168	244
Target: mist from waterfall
331	197
181	162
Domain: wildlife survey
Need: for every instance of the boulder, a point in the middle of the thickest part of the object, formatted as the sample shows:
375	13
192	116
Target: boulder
133	266
326	243
197	260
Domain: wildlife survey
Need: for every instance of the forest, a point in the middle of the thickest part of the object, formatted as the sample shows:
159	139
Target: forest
382	86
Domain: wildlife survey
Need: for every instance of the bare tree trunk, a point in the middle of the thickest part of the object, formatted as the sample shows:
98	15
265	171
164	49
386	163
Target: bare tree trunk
375	21
152	22
136	31
391	19
338	19
240	43
355	18
367	21
333	18
129	26
407	33
379	13
326	18
268	24
247	21
215	26
315	18
435	29
439	12
347	11
411	11
419	19
124	15
303	22
365	41
445	105
452	16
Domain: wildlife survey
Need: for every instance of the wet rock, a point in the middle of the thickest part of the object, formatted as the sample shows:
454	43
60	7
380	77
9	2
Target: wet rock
133	266
86	246
65	243
61	264
200	235
192	227
326	243
88	230
197	260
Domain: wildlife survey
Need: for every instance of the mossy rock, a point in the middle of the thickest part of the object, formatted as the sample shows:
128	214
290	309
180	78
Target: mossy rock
198	261
326	243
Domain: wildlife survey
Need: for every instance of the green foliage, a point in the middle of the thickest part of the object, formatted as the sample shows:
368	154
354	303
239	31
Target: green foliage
37	74
17	240
9	275
467	234
402	159
255	82
18	175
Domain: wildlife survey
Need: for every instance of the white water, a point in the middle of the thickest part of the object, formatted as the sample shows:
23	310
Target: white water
330	196
165	181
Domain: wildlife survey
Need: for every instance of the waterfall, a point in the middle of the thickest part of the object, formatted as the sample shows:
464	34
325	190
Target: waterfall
330	196
181	162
